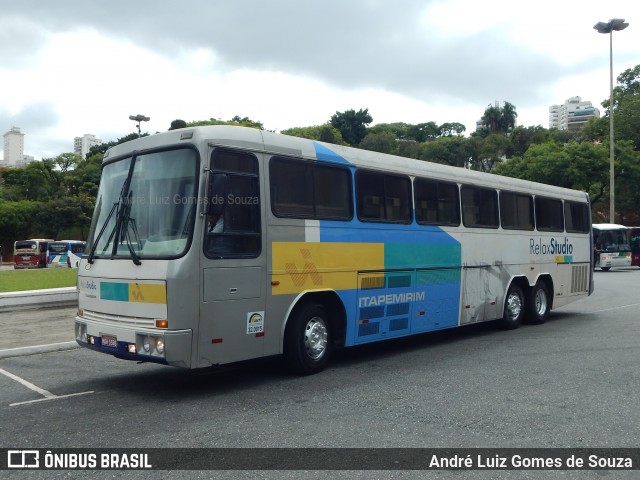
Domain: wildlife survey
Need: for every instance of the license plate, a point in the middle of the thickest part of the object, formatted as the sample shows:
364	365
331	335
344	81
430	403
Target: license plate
109	341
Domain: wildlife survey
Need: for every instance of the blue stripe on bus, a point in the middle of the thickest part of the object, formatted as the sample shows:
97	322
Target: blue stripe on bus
323	153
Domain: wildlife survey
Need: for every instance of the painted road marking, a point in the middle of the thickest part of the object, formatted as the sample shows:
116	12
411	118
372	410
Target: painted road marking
47	395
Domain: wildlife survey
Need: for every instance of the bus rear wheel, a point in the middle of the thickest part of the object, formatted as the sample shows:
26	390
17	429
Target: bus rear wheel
539	304
307	343
513	308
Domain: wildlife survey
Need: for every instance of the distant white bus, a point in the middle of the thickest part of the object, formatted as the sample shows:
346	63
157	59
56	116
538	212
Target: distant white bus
611	246
212	245
65	253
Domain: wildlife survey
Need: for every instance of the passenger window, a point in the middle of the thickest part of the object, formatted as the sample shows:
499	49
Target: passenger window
516	211
549	216
383	197
479	207
576	217
437	203
305	189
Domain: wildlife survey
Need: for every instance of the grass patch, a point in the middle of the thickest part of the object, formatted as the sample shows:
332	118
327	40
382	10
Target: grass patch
37	279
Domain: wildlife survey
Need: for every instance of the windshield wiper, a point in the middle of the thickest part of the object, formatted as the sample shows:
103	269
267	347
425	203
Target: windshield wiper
122	209
94	246
127	222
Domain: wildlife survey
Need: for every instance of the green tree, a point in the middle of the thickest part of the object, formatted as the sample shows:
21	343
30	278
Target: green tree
522	137
627	179
17	222
491	151
451	129
323	133
177	123
627	120
35	181
423	132
497	119
352	125
383	142
237	121
67	161
581	166
452	151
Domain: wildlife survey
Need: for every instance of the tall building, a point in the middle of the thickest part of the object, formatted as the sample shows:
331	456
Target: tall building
572	115
82	145
13	148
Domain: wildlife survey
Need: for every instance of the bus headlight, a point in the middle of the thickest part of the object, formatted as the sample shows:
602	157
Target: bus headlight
149	345
145	344
160	345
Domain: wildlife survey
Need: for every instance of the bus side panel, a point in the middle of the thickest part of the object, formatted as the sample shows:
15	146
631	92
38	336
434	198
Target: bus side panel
393	280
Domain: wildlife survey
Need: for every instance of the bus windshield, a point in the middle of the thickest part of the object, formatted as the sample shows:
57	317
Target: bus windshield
613	240
154	217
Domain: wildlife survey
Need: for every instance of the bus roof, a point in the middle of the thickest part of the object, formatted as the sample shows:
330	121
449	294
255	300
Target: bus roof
609	226
278	144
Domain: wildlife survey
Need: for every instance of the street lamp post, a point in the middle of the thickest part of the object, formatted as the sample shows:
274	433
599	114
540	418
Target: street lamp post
608	27
139	118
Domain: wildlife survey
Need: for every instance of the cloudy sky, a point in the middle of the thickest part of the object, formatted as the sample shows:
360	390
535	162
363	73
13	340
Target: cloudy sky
72	67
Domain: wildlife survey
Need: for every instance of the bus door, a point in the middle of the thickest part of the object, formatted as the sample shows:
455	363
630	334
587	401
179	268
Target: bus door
232	317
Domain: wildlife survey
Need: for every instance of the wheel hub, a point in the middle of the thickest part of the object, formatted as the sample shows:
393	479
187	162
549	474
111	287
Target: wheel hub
315	338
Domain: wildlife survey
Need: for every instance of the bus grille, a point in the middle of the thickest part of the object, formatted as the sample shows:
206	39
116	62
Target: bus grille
119	320
579	278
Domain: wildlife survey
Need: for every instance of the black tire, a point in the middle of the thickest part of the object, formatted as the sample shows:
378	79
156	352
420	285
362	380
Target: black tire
514	306
308	341
605	269
539	304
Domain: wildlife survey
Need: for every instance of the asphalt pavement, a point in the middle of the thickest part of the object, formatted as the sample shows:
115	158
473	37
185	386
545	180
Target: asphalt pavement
24	333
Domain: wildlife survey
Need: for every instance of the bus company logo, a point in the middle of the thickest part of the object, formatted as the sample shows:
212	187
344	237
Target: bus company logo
255	318
309	270
89	285
23	459
136	294
553	246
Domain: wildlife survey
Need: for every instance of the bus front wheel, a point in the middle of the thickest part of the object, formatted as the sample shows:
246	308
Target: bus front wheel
307	343
513	308
539	304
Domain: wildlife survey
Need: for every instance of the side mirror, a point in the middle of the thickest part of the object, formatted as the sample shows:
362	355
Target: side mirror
216	193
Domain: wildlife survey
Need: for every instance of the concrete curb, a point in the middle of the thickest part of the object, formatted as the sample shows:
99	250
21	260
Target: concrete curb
53	347
57	297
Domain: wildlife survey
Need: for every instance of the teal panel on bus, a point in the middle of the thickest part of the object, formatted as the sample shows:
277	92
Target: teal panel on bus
406	255
118	292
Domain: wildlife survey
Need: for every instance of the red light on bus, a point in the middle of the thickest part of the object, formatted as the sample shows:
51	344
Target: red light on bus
216	340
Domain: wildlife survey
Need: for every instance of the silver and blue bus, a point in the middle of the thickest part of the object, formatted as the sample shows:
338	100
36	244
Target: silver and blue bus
218	244
64	253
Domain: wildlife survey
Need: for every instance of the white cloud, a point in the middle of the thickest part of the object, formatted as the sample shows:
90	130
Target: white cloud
86	67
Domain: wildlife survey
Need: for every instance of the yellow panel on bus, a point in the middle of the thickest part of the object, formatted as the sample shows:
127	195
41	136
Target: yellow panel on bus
300	266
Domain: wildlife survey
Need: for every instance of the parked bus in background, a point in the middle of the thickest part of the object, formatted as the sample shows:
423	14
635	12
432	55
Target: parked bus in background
211	245
633	233
610	246
30	253
64	253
